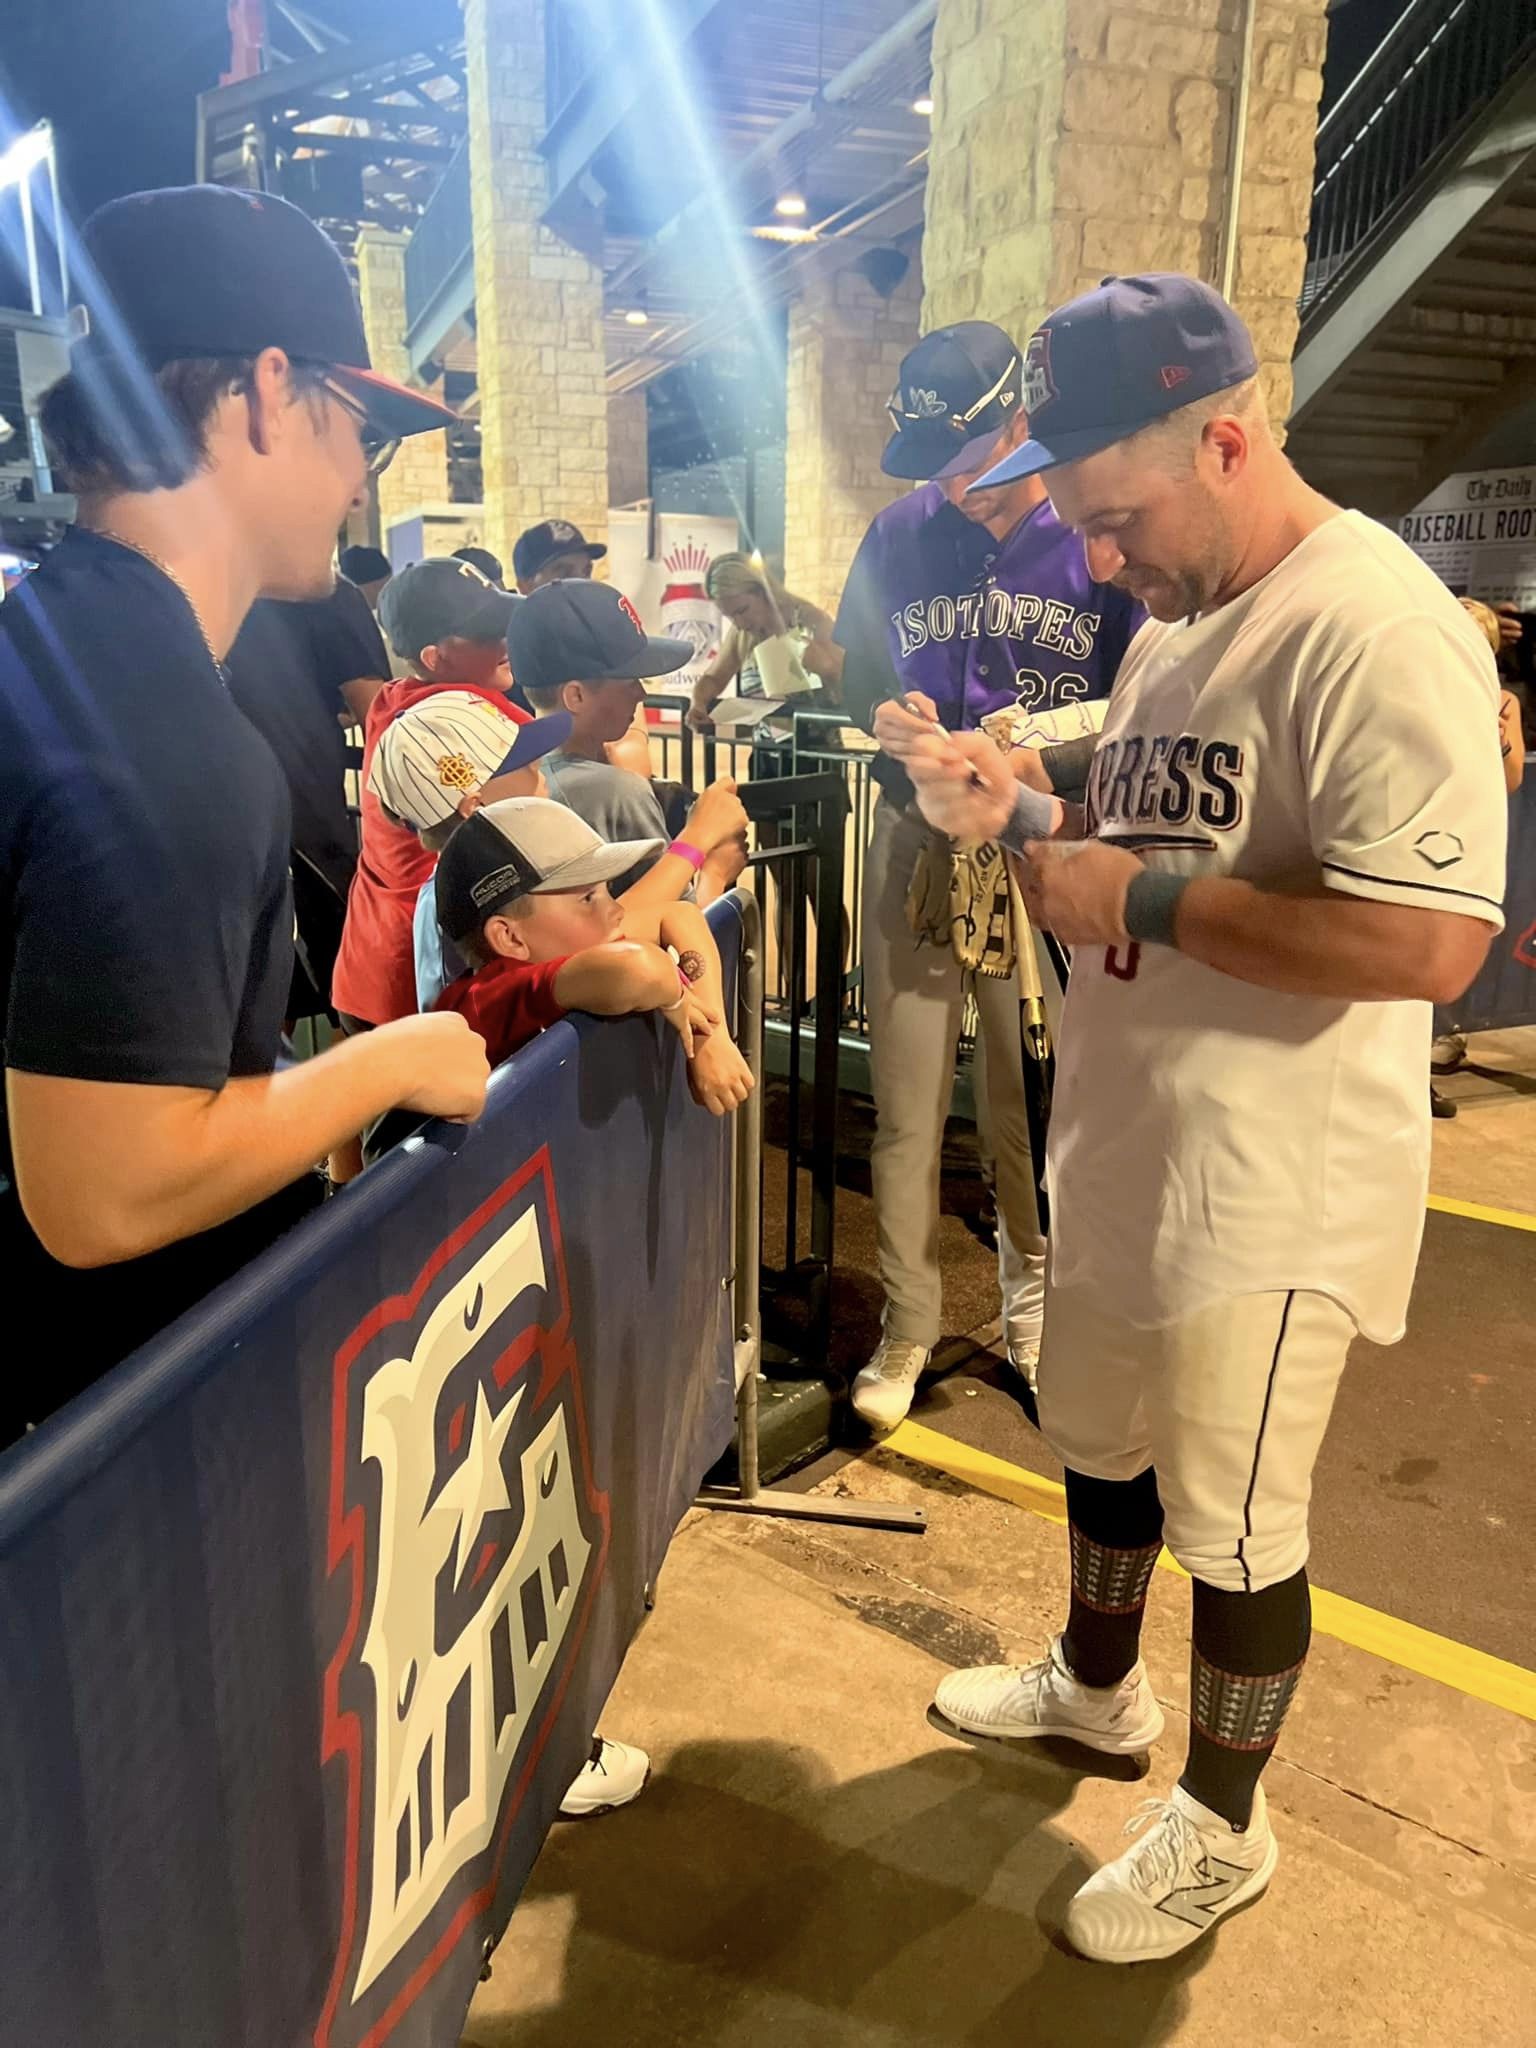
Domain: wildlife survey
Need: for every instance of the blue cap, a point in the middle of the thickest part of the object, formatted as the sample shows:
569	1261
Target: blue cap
1106	365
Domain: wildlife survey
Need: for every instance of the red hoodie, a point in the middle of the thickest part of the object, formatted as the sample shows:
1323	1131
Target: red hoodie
375	973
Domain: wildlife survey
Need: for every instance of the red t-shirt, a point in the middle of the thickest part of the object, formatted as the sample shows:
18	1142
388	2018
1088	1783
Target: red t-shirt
507	1002
375	973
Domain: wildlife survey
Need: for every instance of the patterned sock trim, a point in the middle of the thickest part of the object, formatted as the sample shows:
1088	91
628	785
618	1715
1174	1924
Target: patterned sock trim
1111	1581
1240	1713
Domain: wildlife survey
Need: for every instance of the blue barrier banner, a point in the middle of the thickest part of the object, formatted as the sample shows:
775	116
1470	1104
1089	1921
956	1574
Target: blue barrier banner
1504	993
308	1612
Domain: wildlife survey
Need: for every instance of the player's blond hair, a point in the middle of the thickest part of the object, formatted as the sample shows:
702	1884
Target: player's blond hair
1171	442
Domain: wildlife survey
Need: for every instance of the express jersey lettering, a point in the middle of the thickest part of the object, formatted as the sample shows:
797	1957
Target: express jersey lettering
1165	789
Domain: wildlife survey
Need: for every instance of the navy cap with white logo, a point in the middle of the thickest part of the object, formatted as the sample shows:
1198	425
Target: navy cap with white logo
546	542
955	393
1117	359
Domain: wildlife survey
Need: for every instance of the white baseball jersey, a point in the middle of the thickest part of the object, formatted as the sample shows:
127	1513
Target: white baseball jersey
1336	724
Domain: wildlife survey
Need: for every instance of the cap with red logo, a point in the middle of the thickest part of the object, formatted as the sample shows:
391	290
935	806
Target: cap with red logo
1107	364
578	631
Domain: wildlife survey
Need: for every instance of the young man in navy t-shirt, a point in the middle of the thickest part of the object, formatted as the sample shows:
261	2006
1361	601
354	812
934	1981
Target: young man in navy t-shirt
215	429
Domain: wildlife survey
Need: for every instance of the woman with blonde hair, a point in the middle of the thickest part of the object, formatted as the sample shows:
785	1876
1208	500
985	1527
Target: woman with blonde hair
757	608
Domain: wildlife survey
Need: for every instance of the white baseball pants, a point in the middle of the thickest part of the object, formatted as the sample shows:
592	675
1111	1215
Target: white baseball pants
915	996
1228	1406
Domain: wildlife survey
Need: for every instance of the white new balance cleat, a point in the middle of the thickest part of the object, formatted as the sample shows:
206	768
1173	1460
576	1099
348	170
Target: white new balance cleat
1188	1869
882	1392
613	1775
1013	1700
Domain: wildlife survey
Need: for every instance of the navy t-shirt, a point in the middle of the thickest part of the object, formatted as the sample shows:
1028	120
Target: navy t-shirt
145	920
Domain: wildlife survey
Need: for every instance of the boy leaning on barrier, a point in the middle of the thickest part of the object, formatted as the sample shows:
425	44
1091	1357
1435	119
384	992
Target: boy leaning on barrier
580	647
523	892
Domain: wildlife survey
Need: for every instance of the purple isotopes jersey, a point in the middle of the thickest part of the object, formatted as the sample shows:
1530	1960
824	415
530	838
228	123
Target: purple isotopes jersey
978	623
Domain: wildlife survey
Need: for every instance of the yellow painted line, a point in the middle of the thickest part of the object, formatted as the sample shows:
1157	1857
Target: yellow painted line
1512	1219
1457	1665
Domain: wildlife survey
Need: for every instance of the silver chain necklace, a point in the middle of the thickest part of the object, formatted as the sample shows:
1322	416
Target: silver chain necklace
148	554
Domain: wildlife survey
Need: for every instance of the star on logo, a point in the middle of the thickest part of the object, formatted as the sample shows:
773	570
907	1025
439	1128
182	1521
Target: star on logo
1438	850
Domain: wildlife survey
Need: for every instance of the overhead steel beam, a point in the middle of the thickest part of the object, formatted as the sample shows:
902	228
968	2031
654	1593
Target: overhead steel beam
601	102
831	112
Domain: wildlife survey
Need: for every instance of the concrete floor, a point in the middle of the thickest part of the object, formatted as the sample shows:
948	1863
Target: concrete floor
815	1865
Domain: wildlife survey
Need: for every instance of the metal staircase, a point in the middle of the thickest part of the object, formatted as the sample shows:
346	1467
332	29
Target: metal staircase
1418	315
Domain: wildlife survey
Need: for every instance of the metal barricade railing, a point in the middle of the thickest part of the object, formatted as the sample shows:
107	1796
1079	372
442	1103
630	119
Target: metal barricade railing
752	1275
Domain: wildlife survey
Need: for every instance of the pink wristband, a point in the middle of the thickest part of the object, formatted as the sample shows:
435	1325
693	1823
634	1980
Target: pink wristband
688	852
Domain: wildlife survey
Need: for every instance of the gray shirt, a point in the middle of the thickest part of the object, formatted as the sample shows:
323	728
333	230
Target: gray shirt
615	802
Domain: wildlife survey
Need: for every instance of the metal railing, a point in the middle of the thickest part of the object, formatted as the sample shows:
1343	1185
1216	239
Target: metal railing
439	255
1385	136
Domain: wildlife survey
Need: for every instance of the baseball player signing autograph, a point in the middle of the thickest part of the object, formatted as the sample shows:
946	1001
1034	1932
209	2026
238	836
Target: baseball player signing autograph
1292	846
983	601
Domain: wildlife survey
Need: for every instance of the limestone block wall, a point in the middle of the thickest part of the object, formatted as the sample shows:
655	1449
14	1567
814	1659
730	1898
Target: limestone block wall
419	473
845	344
1075	138
538	302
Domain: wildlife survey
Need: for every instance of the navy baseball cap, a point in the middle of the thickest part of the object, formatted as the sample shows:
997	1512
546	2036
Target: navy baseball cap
955	393
1107	364
442	598
542	543
206	270
576	631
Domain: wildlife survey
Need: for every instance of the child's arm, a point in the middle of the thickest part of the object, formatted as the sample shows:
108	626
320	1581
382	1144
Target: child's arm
717	1074
628	976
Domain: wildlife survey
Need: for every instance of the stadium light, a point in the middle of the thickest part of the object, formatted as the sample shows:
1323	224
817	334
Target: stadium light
22	157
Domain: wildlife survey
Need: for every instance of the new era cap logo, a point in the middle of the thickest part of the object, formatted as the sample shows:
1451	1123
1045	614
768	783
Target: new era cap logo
1175	374
631	614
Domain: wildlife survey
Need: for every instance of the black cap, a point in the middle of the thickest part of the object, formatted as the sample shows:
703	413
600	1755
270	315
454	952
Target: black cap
483	560
364	565
542	543
442	599
205	270
575	631
955	393
1107	364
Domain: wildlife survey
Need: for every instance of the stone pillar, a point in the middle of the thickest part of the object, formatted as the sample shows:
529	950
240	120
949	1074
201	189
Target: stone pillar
629	448
419	473
538	302
1129	104
845	344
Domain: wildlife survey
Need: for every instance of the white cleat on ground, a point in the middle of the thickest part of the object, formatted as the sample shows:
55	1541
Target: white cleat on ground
1012	1701
1188	1869
882	1392
613	1775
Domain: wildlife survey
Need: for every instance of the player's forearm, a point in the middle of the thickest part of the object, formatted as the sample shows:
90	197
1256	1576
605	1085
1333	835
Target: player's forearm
1349	948
162	1164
